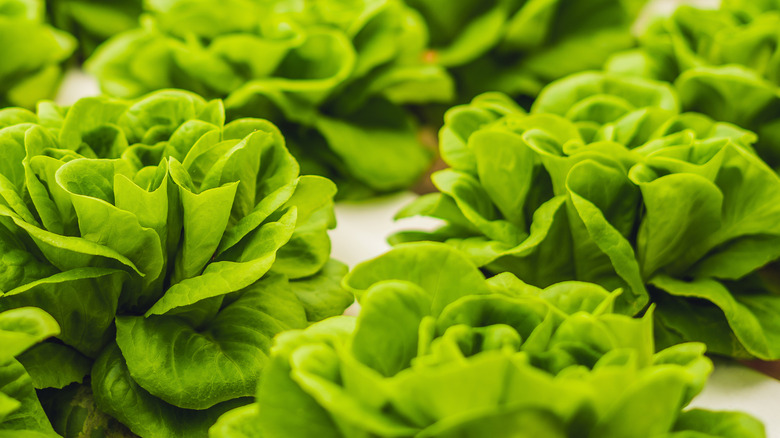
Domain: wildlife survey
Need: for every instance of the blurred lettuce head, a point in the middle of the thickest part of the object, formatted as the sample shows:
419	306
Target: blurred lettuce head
167	244
606	181
518	46
94	21
33	53
724	63
333	75
439	351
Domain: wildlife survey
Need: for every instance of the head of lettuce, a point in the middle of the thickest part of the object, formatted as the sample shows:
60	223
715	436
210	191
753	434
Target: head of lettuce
439	351
335	75
170	247
606	181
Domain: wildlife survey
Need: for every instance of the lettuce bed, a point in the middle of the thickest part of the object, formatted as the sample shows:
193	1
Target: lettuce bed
170	247
165	266
605	181
331	74
438	351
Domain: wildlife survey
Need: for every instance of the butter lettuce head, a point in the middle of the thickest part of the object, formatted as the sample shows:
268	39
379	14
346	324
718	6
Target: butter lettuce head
21	413
438	351
606	182
33	51
170	247
331	74
725	64
518	46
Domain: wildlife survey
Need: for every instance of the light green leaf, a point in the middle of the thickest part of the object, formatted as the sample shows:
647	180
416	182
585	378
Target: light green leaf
118	395
415	263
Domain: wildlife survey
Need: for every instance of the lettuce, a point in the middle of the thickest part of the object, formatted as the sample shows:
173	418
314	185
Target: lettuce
606	182
331	74
32	53
94	21
518	46
724	62
170	247
20	411
438	351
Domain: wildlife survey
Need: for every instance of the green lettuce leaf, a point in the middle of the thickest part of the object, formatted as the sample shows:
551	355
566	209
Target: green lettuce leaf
32	55
92	22
517	47
20	411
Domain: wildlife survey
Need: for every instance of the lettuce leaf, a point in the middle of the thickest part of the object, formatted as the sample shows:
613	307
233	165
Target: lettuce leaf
516	47
92	21
20	410
33	52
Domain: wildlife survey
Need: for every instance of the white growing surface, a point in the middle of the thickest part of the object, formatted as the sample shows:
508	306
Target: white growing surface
734	387
363	227
666	7
75	85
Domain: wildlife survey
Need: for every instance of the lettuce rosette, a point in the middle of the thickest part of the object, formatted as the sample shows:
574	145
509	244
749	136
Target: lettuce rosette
724	62
439	351
605	182
518	46
21	413
33	51
170	247
331	74
94	21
